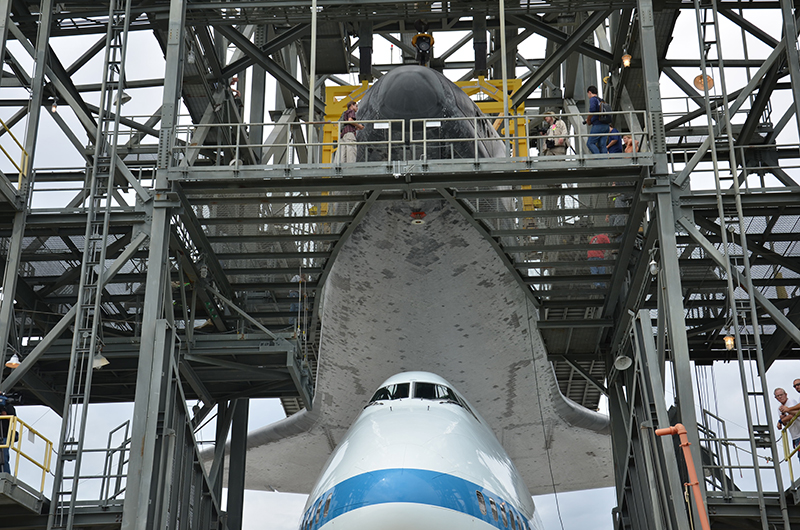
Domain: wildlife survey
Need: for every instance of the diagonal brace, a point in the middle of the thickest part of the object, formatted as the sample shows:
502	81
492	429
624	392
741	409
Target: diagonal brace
776	314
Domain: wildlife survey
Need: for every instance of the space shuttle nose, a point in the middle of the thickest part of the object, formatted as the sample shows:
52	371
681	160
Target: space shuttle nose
412	92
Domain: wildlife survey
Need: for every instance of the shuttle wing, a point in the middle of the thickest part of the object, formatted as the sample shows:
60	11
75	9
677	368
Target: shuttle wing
434	297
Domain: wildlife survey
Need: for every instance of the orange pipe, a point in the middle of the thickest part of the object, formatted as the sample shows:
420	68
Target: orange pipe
680	430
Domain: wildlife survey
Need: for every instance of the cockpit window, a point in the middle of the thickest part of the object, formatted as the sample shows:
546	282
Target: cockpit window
434	391
398	391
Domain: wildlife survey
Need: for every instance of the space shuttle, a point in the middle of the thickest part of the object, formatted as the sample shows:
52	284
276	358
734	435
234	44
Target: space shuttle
406	300
414	92
419	456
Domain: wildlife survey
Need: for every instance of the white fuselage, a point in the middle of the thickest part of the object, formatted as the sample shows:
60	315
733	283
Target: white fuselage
419	462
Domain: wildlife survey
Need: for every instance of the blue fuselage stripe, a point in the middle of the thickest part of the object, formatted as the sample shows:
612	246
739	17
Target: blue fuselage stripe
415	486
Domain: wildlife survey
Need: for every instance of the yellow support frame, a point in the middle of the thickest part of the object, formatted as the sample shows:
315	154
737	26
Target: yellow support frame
336	100
337	97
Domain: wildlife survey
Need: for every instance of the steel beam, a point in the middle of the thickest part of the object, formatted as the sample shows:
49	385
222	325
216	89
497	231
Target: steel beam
142	473
546	30
554	61
237	463
711	250
270	66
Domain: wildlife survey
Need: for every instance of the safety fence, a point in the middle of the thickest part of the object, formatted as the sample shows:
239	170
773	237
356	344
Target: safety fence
24	444
20	165
516	137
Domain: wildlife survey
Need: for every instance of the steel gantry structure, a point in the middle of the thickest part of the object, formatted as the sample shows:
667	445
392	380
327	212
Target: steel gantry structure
190	250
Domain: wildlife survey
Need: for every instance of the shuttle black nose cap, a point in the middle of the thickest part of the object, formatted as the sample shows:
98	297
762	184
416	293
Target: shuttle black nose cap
411	92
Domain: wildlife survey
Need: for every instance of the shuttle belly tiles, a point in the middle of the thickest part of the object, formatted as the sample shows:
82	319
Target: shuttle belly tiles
434	297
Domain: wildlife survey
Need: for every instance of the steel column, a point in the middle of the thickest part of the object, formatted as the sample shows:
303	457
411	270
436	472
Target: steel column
238	458
137	513
14	255
792	55
670	289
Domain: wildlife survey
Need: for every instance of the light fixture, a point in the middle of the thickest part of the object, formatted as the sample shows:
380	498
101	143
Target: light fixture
123	98
729	342
13	362
98	361
190	57
653	267
700	85
54	108
623	362
626	60
418	218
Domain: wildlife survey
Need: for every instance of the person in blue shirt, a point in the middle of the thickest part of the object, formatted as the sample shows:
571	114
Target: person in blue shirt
596	144
6	409
614	144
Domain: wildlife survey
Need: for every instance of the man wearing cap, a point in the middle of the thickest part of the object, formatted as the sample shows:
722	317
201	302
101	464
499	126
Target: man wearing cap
555	139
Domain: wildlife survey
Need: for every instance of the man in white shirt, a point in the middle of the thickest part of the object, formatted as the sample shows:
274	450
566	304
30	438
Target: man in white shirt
785	417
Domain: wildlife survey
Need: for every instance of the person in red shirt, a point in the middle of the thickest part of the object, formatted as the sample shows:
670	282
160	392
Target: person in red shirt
599	239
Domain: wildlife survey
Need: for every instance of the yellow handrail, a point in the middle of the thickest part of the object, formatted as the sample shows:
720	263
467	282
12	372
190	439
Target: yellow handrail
23	171
786	452
15	443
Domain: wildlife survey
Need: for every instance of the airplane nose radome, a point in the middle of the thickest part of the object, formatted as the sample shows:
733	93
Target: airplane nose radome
411	93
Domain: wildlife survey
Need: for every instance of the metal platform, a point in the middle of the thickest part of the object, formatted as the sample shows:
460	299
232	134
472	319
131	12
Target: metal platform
18	500
215	251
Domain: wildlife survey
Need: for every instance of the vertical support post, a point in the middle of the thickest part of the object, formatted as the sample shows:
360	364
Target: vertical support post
649	51
14	256
792	55
236	467
218	466
257	101
504	67
143	473
365	51
5	11
479	44
670	289
653	384
312	85
173	78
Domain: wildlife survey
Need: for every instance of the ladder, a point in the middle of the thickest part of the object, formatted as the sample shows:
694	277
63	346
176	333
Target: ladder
743	317
86	340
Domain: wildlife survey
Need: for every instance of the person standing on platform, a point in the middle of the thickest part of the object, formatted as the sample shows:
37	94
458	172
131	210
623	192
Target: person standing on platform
614	144
6	409
786	417
555	140
348	143
596	144
628	145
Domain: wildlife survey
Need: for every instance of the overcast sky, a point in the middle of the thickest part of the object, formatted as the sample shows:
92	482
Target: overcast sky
719	387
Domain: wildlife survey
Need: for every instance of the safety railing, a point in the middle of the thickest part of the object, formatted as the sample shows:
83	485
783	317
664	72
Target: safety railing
425	139
754	161
639	139
788	452
113	483
727	456
22	165
27	445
